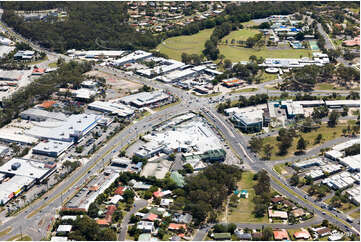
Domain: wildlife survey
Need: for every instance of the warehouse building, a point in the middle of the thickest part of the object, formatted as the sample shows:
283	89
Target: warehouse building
38	115
342	103
118	109
18	175
137	55
144	99
352	162
293	109
71	130
248	121
52	148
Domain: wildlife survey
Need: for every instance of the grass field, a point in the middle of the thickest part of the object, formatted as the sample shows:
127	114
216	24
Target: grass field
243	212
241	34
236	54
355	214
245	90
327	134
18	237
346	207
280	168
268	77
329	86
190	44
5	231
53	65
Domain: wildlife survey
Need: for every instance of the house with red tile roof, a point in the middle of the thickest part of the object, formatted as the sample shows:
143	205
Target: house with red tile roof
150	217
120	191
280	234
303	234
47	104
38	71
353	42
173	226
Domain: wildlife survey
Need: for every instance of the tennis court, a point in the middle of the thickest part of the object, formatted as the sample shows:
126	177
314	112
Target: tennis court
313	45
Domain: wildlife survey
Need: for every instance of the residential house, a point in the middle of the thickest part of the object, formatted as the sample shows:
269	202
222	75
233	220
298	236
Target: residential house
280	234
303	234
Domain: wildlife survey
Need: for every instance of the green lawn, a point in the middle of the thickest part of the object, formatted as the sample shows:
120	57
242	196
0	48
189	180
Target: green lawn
280	168
266	77
249	23
241	34
5	231
236	54
329	86
327	133
18	237
245	90
243	212
346	207
190	44
355	214
53	65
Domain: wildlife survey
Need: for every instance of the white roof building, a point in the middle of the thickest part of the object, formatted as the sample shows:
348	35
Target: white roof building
352	162
133	57
76	126
340	103
64	228
52	148
144	98
118	109
22	173
41	115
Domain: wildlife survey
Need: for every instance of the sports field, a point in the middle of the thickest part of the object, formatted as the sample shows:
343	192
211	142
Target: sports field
241	34
236	54
190	44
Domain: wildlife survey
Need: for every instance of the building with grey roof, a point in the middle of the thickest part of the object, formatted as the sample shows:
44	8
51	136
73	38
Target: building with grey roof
118	109
144	99
132	57
248	121
72	129
20	174
52	148
36	114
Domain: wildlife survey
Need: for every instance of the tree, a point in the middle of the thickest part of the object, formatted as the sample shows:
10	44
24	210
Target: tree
188	168
267	234
171	157
318	139
256	144
128	196
301	144
294	180
325	223
333	119
267	149
227	63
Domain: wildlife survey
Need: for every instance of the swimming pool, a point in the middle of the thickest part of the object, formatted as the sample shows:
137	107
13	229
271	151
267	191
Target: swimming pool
313	45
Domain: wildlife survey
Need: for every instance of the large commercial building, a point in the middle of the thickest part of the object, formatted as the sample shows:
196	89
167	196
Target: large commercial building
51	148
318	59
70	130
132	57
293	109
248	120
18	175
144	99
38	115
118	109
193	137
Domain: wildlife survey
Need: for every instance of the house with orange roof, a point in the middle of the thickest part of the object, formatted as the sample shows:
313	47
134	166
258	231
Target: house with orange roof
232	82
47	104
280	234
173	226
150	217
102	222
38	71
120	191
353	42
303	234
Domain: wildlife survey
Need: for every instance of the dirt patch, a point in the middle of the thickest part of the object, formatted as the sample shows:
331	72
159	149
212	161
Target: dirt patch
118	87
